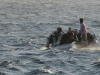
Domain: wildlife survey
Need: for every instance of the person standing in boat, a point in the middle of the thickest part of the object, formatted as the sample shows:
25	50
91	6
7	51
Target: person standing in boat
83	30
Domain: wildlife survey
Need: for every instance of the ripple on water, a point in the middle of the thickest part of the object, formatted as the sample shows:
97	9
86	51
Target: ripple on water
37	72
13	69
21	44
38	61
96	26
59	73
1	73
96	64
50	54
4	63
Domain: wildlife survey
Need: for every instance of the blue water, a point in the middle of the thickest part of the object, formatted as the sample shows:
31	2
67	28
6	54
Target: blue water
24	27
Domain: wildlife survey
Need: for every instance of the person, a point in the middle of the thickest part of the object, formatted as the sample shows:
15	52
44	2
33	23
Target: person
76	36
59	36
70	35
55	37
83	30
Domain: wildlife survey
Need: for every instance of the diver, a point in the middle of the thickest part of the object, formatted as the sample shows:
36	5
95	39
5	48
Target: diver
55	37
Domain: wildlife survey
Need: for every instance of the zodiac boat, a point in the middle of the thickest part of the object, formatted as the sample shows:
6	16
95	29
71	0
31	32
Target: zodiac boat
61	41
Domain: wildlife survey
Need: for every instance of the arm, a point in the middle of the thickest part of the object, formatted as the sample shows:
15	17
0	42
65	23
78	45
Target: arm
80	29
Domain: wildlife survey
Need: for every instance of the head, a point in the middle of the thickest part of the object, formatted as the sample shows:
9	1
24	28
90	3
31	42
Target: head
69	29
81	20
59	29
75	32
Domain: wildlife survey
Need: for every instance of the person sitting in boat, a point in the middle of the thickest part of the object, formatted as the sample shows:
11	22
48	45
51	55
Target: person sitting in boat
55	37
70	35
76	36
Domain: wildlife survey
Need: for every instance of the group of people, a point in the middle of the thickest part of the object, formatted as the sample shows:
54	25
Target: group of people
81	35
59	37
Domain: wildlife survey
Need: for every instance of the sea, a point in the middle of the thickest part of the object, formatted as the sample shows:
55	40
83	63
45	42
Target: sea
25	26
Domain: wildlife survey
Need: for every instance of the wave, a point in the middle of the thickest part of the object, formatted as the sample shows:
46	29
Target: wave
96	26
57	23
13	69
45	71
37	72
97	64
1	73
5	63
37	61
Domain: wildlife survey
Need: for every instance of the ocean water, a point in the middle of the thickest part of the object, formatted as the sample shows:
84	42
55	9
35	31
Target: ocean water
25	26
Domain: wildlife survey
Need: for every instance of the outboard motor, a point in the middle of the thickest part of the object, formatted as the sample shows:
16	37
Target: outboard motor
94	39
91	38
